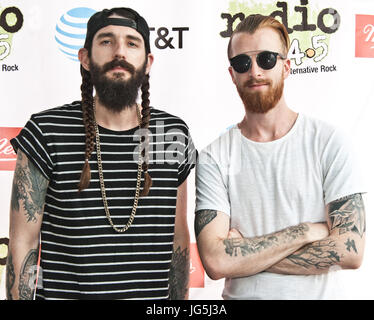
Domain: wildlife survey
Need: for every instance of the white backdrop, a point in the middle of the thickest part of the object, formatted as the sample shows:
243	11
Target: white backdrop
191	80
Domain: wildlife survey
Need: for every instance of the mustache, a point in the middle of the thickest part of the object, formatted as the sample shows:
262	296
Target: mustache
252	82
119	63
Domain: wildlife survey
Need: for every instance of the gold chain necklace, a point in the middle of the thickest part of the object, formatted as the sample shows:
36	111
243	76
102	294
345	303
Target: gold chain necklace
101	177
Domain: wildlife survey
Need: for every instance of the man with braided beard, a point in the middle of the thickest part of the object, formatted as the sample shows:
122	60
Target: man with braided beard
103	181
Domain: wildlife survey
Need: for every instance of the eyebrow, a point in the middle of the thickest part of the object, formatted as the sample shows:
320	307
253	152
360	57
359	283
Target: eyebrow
134	38
111	35
105	35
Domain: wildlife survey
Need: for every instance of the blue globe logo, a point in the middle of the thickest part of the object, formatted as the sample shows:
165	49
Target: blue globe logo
71	31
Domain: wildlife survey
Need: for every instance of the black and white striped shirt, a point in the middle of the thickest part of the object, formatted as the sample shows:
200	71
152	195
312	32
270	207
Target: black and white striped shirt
82	257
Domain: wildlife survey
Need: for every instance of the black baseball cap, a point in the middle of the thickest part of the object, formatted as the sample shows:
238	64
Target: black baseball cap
129	18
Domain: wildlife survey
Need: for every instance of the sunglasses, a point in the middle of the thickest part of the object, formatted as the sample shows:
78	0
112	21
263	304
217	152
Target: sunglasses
265	60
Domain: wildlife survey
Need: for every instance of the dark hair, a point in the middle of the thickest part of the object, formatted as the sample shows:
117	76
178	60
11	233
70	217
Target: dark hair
129	18
88	117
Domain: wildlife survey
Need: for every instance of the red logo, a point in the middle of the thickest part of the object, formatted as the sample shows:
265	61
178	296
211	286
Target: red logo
364	36
7	155
196	268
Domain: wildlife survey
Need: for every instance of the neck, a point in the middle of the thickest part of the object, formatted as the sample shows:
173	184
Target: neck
117	121
269	126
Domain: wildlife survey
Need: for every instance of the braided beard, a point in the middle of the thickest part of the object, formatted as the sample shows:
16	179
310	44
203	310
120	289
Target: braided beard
117	94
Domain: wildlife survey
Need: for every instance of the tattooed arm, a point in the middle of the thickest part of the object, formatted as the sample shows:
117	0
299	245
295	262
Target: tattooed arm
344	246
26	210
226	255
180	264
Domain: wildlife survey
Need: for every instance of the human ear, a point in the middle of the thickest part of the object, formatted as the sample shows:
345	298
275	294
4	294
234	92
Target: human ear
231	71
84	59
150	59
286	68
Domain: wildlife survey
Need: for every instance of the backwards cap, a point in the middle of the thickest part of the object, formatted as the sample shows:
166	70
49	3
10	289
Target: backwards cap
131	19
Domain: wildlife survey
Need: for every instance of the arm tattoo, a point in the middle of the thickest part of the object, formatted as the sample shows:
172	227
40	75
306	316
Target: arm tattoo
27	279
348	214
351	245
247	246
179	274
202	218
320	254
29	188
10	277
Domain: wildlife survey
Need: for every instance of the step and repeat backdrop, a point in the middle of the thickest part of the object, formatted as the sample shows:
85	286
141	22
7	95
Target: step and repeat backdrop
332	56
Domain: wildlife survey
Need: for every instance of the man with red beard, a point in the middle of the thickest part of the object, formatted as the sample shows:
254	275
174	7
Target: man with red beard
278	200
109	206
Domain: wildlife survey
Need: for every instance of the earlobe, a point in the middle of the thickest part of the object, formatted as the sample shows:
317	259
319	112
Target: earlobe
84	59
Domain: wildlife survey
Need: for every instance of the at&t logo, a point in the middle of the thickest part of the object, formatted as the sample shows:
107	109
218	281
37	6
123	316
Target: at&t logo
71	31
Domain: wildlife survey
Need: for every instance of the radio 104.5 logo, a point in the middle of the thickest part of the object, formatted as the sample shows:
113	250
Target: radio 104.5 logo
310	28
11	21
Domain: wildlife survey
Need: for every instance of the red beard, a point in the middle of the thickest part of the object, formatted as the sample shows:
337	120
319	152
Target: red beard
261	102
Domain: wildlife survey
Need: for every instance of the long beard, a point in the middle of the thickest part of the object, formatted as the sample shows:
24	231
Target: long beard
117	94
261	102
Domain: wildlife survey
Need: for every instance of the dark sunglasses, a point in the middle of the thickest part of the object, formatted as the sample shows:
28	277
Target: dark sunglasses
265	60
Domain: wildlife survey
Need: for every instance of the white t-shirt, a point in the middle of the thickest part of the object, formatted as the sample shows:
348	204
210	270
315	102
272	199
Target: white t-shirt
266	187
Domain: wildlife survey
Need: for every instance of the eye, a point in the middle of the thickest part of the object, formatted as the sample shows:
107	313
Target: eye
132	44
105	42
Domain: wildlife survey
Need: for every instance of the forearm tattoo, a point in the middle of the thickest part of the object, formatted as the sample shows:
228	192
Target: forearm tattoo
29	188
27	278
320	255
351	245
202	218
247	246
348	214
179	274
10	277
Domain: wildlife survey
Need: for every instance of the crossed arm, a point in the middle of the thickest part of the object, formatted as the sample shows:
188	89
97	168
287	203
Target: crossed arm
344	247
308	248
26	210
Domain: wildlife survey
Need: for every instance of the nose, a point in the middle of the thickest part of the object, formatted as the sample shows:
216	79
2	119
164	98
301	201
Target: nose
255	71
120	51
